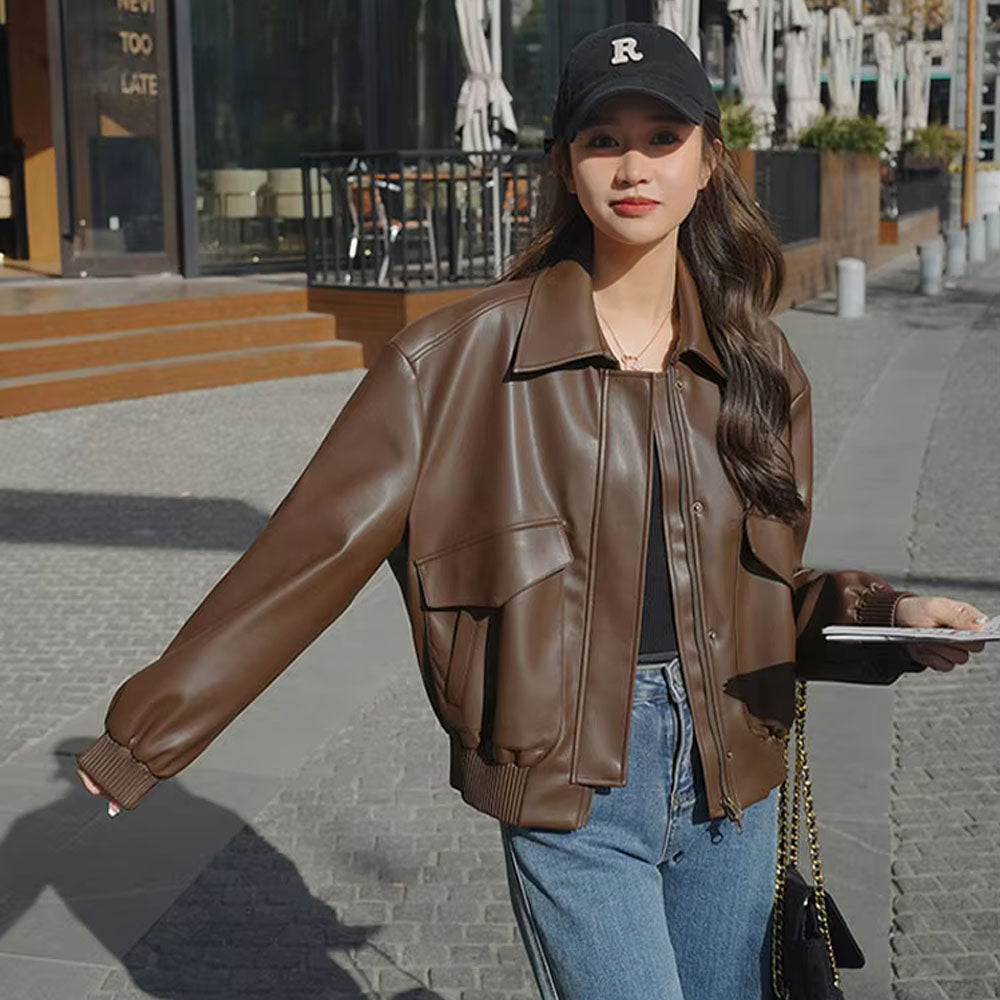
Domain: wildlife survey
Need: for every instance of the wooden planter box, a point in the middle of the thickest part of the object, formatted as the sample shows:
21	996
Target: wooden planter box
849	226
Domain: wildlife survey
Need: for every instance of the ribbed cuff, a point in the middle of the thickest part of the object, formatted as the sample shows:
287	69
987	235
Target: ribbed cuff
116	772
877	605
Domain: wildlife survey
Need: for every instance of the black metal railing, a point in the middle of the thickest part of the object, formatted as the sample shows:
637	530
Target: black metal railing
919	190
429	218
787	184
418	218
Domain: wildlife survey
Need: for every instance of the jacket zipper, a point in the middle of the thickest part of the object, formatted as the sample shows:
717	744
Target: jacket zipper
730	803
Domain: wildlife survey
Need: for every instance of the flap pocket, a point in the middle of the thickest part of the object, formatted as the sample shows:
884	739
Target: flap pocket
773	544
488	571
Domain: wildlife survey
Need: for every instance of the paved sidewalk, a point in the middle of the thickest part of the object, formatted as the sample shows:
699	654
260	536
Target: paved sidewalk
295	859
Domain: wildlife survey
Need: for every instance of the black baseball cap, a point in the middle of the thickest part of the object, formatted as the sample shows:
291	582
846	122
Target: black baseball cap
631	57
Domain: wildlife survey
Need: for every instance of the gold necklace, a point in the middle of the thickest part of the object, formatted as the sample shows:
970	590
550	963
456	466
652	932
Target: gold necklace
631	361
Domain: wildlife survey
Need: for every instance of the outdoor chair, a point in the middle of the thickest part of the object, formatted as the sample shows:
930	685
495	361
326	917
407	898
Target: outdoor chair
368	218
286	194
238	196
520	211
283	202
424	223
237	192
473	199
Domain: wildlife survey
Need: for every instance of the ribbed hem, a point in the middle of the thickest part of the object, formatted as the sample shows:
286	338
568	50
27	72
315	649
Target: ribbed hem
877	605
496	789
116	772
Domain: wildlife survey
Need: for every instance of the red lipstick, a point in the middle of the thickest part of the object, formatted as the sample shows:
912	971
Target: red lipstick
634	206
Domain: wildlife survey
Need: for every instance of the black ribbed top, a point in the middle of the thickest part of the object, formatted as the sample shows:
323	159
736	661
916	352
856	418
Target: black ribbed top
658	639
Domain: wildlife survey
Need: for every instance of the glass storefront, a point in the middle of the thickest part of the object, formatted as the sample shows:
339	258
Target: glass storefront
181	123
271	79
276	78
117	130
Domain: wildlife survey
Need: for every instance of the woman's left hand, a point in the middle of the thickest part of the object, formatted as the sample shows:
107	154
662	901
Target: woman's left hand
939	612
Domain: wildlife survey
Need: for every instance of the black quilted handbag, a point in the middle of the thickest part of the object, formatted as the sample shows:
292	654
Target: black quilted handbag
810	938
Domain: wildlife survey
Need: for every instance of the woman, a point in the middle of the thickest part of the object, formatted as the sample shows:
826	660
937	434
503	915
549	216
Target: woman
632	904
592	481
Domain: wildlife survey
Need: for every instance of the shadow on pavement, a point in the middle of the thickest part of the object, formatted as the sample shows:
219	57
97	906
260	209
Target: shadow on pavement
247	926
128	520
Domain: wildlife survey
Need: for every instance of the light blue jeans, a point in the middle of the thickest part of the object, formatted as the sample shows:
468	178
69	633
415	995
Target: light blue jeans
651	900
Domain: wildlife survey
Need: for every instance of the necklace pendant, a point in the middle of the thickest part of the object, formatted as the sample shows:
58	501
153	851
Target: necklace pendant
631	361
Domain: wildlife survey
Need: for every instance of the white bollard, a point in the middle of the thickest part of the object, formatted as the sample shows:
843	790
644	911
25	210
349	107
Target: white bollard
850	287
977	239
957	241
992	231
931	266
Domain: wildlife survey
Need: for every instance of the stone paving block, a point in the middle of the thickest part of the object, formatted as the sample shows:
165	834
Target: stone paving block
967	989
475	954
922	966
984	920
486	995
918	989
936	944
982	964
453	975
493	933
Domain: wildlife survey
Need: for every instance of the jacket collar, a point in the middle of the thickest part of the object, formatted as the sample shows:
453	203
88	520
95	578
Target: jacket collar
561	326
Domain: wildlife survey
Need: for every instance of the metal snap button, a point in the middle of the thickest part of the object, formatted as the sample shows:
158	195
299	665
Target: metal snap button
697	506
729	754
679	383
712	633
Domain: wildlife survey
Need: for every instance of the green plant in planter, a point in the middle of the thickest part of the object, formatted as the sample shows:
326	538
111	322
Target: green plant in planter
856	135
935	143
738	126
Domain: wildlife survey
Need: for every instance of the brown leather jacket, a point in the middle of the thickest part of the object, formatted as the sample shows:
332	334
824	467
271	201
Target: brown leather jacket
500	458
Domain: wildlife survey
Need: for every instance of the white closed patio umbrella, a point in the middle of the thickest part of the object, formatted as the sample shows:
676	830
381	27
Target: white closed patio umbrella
681	16
917	88
485	106
750	69
801	77
888	111
843	96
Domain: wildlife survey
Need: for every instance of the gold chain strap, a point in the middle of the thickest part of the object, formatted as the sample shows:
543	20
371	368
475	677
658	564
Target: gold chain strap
788	847
777	968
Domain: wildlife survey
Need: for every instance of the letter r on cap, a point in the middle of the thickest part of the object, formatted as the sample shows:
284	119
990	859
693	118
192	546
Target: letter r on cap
625	50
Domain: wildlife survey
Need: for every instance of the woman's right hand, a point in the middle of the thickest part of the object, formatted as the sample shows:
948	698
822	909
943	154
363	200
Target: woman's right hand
113	807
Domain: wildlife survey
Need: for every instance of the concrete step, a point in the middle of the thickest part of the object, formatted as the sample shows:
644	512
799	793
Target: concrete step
80	387
61	323
55	354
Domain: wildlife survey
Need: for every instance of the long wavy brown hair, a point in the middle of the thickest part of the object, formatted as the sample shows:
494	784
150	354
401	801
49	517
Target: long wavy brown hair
737	264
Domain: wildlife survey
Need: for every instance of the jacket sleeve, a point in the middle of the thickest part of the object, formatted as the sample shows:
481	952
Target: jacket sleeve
345	513
834	597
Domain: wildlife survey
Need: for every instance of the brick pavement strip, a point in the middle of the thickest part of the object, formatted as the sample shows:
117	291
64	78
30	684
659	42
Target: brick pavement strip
946	780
